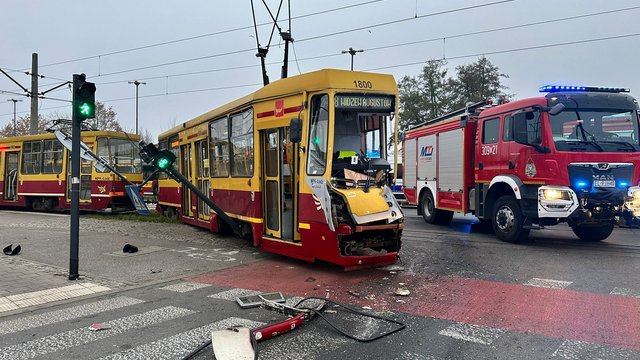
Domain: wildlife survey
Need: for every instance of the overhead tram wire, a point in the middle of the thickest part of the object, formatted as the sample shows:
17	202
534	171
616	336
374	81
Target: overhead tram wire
205	35
484	53
307	39
386	67
397	45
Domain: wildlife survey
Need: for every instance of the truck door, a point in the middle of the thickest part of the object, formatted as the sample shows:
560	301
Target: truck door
489	152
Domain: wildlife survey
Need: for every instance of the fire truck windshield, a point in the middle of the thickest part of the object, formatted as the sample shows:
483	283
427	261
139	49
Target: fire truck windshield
595	129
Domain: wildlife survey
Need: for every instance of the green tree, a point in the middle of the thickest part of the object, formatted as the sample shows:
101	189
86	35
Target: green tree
475	82
424	96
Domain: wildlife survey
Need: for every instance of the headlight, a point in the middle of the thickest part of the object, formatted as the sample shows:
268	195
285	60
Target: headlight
554	194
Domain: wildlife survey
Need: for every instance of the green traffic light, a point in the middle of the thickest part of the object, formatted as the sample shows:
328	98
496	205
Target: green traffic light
163	163
86	109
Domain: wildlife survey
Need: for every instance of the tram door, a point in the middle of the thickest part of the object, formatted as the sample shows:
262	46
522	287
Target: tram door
11	176
185	169
85	179
202	177
279	184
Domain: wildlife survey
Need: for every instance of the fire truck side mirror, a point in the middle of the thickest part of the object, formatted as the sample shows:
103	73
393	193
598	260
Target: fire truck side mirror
556	109
295	130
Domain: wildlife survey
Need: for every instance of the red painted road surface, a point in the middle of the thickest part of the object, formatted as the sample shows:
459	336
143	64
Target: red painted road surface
566	314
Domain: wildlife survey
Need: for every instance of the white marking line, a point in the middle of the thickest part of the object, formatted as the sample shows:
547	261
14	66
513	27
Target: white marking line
473	333
184	287
234	293
577	350
13	302
83	335
548	283
625	292
179	345
76	312
413	356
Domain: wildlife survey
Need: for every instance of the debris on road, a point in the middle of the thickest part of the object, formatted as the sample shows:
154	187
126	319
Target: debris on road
99	327
353	293
10	252
392	268
402	291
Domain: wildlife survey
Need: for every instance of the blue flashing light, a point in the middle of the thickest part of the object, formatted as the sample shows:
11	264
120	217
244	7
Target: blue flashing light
623	184
581	184
557	88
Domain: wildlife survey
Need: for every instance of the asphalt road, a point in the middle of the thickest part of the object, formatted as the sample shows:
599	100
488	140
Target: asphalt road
471	296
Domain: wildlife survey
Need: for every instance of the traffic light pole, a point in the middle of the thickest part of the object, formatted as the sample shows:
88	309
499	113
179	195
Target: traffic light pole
74	248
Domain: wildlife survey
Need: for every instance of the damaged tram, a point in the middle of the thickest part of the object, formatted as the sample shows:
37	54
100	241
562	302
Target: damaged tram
301	164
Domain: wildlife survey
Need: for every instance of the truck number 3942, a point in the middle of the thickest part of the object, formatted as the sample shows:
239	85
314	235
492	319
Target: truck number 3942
489	149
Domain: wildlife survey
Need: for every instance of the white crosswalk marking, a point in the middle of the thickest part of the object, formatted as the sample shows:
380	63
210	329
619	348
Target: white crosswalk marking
548	283
234	293
75	337
179	345
311	344
625	292
75	312
575	350
473	333
184	287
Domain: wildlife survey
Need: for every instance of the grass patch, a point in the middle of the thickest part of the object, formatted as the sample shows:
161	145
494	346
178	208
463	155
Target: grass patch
155	217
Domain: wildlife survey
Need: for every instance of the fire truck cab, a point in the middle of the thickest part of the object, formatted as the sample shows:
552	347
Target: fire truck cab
572	155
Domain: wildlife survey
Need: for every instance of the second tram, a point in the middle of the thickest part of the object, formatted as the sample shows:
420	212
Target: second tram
35	172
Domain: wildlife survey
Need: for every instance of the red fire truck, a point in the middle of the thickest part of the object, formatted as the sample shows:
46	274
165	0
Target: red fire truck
572	155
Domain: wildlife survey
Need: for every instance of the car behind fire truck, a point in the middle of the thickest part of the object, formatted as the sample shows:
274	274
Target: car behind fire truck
572	155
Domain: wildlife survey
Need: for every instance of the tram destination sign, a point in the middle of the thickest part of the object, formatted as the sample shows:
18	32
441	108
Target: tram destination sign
364	102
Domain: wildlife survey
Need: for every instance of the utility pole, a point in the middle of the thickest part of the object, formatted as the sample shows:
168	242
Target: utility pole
33	124
14	115
137	83
352	52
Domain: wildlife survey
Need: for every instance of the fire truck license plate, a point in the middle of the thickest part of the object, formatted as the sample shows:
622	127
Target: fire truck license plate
604	183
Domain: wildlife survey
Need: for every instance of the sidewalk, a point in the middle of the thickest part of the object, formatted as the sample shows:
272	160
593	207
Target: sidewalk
26	283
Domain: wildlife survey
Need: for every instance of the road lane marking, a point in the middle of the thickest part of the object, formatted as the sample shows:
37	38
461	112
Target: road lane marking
472	333
179	345
548	283
625	292
83	335
75	312
185	287
13	302
577	350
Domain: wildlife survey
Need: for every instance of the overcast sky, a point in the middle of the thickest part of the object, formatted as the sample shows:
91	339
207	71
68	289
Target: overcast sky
566	51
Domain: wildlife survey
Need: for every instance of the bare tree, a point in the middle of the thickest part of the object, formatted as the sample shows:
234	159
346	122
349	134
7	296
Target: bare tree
22	126
146	136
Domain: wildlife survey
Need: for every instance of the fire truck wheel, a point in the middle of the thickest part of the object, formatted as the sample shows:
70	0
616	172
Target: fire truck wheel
597	232
508	220
432	215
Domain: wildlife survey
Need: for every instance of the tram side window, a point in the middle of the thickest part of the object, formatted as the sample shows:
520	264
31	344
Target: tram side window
317	159
219	147
241	140
52	157
103	151
31	157
123	156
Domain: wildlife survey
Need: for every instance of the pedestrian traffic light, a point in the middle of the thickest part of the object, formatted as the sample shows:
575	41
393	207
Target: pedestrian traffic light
164	159
84	98
161	159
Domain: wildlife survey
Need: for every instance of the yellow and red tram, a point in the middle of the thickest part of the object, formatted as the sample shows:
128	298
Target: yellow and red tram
301	164
35	172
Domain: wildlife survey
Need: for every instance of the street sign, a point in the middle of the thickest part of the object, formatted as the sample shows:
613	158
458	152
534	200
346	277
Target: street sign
65	140
137	200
